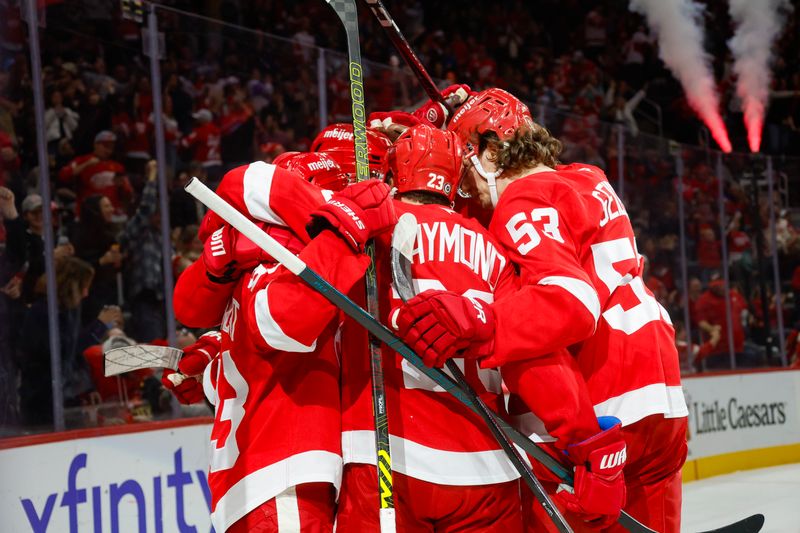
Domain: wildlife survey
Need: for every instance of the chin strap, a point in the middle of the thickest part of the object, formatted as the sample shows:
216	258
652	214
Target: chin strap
490	177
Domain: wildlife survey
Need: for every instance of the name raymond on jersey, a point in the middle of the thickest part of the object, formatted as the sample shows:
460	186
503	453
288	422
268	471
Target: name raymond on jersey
454	243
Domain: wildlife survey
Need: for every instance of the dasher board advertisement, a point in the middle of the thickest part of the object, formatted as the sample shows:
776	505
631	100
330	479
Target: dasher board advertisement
747	411
145	481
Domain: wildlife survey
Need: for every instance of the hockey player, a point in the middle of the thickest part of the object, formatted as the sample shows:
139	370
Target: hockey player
449	474
582	341
276	438
336	140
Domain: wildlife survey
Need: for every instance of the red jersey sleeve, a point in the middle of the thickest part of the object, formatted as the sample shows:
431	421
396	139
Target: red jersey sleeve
272	194
556	304
199	302
282	312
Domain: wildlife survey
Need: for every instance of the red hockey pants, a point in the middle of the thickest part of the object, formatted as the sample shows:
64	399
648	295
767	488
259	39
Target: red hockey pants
306	508
423	507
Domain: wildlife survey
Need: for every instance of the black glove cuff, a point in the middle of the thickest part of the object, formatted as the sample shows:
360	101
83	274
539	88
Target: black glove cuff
317	225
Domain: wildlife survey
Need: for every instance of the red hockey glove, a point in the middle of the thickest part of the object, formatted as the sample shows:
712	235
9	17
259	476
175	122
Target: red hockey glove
357	212
228	253
439	325
435	114
599	491
187	382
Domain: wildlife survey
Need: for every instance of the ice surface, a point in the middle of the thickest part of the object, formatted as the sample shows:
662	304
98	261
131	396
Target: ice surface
717	501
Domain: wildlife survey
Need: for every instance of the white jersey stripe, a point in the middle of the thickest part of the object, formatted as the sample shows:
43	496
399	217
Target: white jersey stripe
257	183
315	466
271	332
634	405
581	290
429	464
288	511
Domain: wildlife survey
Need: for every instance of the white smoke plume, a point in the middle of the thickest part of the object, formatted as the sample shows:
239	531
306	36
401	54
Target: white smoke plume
678	26
757	25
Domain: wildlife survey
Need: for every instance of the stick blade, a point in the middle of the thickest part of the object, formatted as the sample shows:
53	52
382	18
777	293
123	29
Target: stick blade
751	524
404	237
139	356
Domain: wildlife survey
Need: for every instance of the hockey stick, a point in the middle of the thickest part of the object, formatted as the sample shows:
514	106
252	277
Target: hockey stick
140	356
348	13
296	265
405	50
403	239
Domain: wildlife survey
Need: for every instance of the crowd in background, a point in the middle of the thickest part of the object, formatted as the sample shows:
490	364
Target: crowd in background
231	96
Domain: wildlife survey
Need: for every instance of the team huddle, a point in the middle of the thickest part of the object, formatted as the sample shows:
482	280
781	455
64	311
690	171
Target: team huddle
543	309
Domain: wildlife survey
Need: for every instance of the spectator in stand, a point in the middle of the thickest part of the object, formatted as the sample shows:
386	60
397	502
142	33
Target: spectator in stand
96	243
10	313
204	144
137	135
594	33
73	279
740	253
237	126
619	110
25	244
10	166
141	244
188	248
129	384
60	122
94	116
711	316
708	251
184	210
698	351
636	51
98	173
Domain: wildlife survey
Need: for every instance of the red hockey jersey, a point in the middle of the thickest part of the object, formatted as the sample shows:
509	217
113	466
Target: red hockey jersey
204	141
582	289
276	389
433	436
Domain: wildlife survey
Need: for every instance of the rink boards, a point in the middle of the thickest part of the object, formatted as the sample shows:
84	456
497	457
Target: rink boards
144	477
152	477
740	421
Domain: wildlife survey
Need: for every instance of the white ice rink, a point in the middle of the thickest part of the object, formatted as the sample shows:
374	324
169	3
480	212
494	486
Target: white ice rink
774	492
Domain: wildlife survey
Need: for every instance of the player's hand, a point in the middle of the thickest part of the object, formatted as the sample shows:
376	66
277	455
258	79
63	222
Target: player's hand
599	491
436	114
439	325
227	254
357	212
392	123
187	382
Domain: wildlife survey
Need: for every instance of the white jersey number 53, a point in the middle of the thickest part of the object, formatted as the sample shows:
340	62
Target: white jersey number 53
522	231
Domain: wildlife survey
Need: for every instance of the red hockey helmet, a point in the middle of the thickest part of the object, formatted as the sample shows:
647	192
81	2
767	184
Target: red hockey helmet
490	110
425	159
282	159
337	141
337	136
317	167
